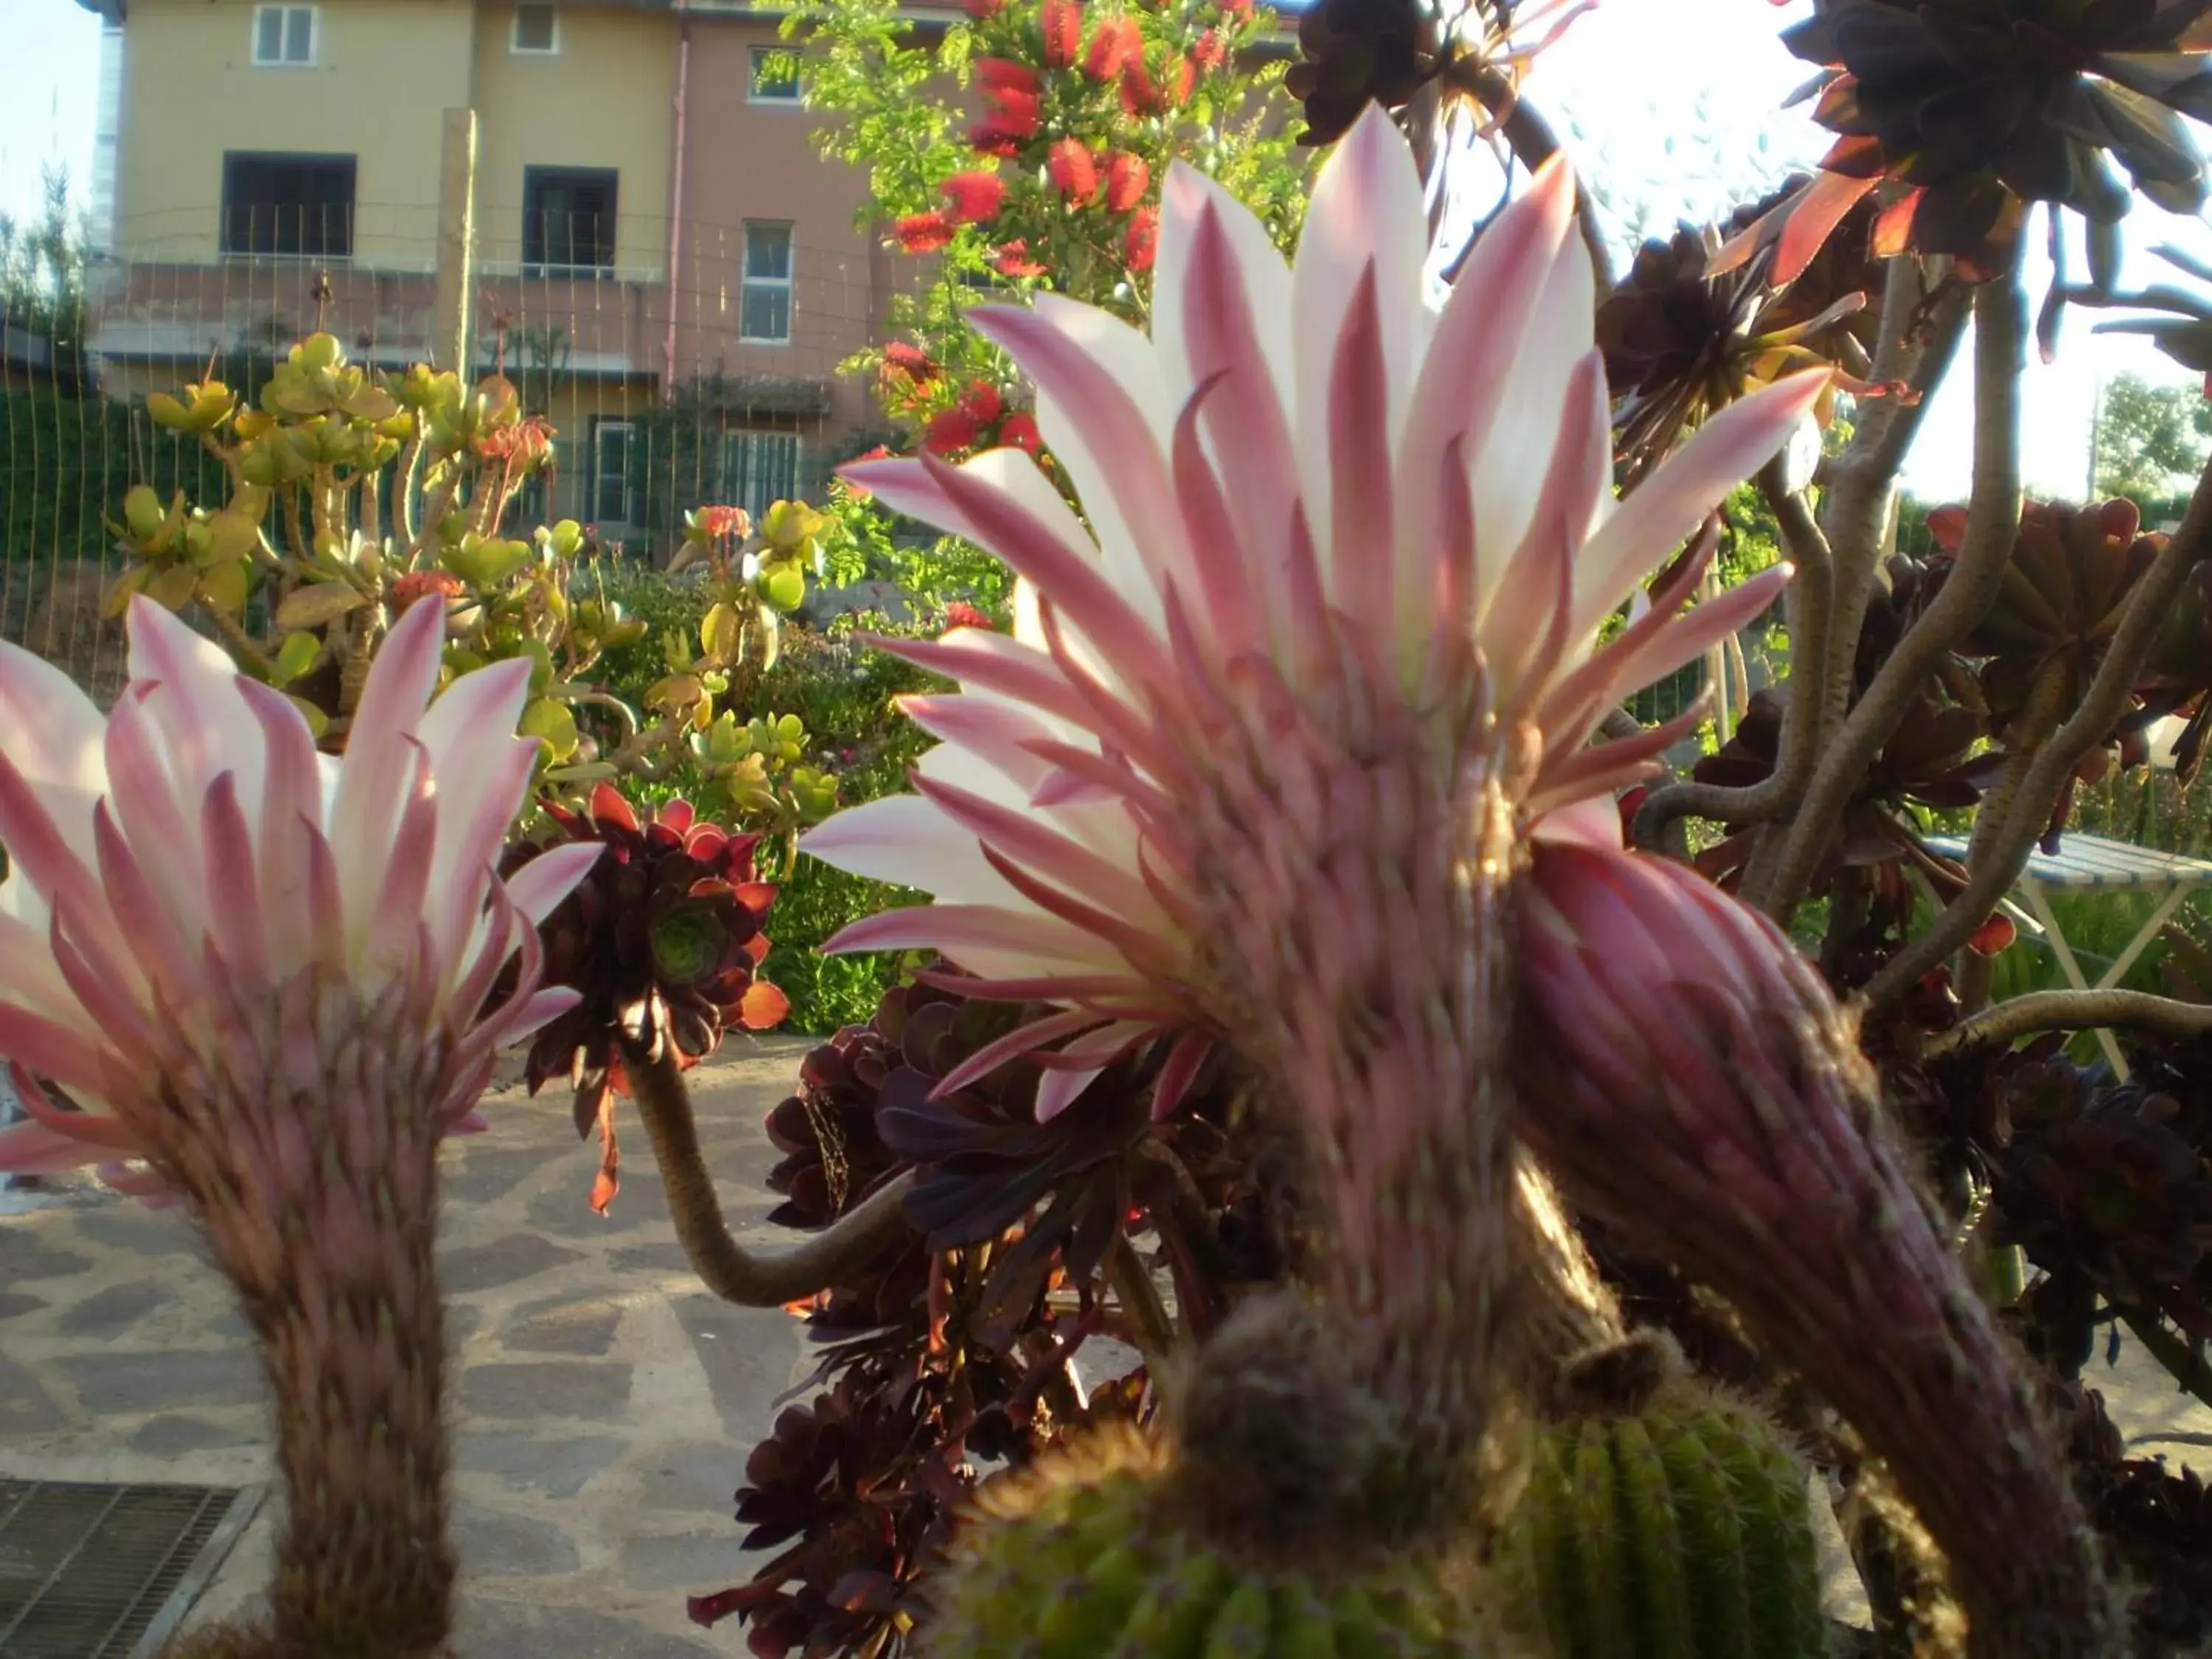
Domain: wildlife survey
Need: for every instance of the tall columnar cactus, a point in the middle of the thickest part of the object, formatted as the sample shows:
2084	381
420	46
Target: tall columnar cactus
262	977
1681	1532
1263	751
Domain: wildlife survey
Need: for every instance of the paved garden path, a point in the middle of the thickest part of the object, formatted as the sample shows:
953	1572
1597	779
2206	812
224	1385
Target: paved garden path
604	1404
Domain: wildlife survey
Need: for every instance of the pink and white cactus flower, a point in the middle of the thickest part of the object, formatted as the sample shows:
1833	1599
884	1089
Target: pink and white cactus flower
1305	475
198	903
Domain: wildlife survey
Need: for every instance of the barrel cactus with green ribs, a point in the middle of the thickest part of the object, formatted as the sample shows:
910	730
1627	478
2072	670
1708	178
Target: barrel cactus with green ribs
1084	1556
1682	1532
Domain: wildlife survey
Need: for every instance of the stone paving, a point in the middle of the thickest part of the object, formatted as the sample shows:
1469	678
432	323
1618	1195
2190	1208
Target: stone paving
604	1404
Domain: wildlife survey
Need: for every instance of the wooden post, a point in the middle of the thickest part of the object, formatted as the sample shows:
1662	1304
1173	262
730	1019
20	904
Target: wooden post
457	241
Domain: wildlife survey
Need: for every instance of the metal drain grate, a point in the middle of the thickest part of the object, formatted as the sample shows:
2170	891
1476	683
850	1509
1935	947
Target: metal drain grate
106	1572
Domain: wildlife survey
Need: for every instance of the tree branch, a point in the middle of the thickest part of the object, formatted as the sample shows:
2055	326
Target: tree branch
748	1278
1810	592
1992	874
1992	521
1533	141
2073	1011
1863	478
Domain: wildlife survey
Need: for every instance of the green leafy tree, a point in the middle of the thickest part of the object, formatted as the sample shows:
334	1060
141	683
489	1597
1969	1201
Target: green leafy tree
2149	438
1024	147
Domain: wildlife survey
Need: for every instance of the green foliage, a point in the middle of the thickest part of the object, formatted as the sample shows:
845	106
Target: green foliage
828	993
2149	438
42	267
1682	1532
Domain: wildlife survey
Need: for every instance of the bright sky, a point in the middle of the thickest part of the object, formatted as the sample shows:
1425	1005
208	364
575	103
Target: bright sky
1673	104
53	99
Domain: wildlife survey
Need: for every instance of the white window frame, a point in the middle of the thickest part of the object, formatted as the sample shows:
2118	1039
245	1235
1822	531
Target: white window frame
793	100
283	60
514	32
604	427
747	282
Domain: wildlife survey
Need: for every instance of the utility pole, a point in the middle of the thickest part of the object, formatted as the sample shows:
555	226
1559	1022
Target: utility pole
457	241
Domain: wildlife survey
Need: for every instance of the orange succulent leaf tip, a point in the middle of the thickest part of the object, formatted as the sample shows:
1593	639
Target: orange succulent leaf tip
1301	473
191	888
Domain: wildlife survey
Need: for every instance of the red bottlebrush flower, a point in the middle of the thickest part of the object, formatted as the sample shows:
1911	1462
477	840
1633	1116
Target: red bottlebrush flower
421	584
1020	432
983	403
1113	43
1000	76
1140	94
1126	178
1013	260
1236	8
983	10
924	233
910	360
1184	83
1140	243
1211	51
950	431
1073	171
1062	23
960	614
974	196
994	136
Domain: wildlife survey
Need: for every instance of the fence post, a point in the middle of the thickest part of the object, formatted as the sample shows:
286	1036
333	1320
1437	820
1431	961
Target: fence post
457	240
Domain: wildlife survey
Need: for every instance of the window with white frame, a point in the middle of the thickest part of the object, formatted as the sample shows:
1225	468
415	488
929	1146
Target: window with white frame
775	76
536	29
764	296
759	469
613	499
284	36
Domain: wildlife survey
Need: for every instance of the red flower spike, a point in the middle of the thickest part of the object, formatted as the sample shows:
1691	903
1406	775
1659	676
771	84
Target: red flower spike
1073	171
984	10
1140	94
923	233
1113	43
1210	52
1001	75
910	360
983	403
995	137
1020	432
1126	179
960	614
1012	259
950	431
1062	23
974	196
1140	243
1185	82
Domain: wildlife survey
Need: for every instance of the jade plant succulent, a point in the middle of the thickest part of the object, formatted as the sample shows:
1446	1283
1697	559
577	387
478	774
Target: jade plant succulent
356	494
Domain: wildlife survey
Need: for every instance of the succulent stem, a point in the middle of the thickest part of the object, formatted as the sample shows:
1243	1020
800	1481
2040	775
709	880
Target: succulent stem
752	1278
